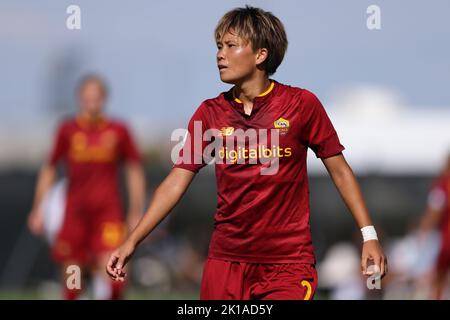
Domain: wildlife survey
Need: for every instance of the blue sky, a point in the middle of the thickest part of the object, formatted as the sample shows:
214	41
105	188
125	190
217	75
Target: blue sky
159	56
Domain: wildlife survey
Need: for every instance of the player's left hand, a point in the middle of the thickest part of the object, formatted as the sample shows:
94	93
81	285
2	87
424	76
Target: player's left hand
36	222
372	253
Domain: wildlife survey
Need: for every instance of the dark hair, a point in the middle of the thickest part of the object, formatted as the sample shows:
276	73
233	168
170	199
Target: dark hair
261	28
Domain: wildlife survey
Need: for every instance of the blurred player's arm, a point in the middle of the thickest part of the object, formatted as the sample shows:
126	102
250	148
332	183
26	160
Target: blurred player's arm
348	187
429	220
46	177
432	215
164	200
136	192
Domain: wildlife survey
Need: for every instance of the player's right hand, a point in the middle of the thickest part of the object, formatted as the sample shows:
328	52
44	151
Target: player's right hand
118	260
36	222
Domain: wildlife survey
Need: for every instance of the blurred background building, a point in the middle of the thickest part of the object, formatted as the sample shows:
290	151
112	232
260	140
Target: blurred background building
385	90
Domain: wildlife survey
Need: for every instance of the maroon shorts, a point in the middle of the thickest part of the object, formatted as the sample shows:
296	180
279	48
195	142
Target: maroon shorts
231	280
85	235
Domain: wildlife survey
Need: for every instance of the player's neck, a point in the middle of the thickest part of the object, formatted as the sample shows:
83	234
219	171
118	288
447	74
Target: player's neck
88	119
90	116
247	90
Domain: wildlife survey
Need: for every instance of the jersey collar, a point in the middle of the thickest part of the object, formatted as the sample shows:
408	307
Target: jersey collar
85	123
258	101
265	93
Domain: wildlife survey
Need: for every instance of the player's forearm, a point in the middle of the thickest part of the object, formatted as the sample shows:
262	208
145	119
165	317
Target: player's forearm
350	191
430	220
136	188
164	200
45	180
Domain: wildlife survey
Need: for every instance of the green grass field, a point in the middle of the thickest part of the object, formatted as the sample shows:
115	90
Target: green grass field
131	294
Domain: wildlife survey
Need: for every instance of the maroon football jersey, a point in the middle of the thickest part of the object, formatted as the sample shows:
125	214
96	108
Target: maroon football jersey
92	154
262	213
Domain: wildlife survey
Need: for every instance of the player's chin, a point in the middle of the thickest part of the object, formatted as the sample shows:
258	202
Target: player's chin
227	78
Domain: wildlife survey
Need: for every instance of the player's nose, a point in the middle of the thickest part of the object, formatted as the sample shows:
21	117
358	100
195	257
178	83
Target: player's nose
220	55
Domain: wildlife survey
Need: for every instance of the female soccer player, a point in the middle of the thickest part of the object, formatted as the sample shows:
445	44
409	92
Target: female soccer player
92	148
261	247
437	214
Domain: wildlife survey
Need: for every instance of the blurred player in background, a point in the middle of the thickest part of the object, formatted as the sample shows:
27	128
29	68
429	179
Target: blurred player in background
92	148
261	247
437	214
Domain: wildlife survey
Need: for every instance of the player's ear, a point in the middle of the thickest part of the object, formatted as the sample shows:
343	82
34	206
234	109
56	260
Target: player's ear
261	55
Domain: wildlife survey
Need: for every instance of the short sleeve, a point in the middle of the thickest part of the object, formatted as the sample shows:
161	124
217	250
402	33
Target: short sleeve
60	146
129	151
317	131
191	154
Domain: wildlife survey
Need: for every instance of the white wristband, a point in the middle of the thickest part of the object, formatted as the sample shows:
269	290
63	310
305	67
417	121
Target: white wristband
369	233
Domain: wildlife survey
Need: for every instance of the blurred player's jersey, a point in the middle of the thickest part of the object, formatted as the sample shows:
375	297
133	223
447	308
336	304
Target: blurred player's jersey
262	218
439	200
92	153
